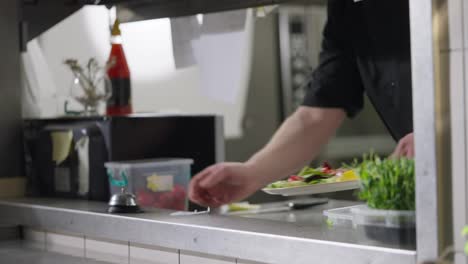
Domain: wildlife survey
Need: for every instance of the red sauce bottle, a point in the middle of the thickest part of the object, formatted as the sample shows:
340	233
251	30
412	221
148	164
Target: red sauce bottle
120	102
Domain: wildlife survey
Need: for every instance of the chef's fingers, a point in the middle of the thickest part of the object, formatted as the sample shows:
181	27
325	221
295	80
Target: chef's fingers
213	197
196	198
410	151
400	149
195	192
410	146
215	203
396	152
203	174
201	197
205	199
195	182
218	175
405	147
205	188
209	202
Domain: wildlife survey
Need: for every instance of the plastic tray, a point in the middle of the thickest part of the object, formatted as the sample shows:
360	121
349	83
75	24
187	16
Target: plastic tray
159	183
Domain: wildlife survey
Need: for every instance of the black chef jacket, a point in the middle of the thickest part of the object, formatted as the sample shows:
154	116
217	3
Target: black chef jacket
366	49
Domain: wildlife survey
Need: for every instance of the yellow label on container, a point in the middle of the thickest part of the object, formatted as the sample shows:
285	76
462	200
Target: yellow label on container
160	183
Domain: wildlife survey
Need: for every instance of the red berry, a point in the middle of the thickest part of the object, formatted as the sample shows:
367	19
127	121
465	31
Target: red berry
178	188
179	193
145	198
166	200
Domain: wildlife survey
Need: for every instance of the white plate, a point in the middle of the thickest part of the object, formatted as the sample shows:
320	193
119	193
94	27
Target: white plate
314	188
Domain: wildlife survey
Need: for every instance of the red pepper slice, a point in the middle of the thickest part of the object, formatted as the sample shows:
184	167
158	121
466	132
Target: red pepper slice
295	178
326	166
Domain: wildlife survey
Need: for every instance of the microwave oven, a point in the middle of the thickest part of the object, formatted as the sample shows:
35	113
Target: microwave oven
65	157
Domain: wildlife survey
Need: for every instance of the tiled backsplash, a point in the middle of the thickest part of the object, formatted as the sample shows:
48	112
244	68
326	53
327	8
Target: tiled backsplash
143	254
66	244
108	251
116	251
34	238
239	261
197	258
8	232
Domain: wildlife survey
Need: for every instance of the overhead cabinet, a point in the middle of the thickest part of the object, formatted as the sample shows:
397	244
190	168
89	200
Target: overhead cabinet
40	15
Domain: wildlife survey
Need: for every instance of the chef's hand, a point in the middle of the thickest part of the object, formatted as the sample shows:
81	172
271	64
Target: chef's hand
405	147
222	184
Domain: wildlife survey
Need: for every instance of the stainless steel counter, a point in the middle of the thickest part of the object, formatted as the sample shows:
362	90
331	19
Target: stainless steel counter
288	237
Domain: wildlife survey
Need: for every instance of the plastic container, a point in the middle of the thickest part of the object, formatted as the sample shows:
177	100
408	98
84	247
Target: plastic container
339	217
158	183
387	226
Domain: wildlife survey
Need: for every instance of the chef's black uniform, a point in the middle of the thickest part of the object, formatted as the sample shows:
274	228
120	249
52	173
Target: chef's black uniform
366	49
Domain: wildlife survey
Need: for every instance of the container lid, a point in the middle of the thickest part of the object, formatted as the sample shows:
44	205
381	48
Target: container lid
365	216
145	163
339	214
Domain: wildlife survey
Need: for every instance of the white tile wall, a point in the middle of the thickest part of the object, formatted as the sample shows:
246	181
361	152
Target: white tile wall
34	238
465	22
197	258
118	252
106	250
66	244
239	261
142	254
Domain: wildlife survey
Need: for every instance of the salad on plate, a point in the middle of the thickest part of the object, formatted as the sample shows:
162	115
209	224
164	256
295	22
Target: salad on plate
311	176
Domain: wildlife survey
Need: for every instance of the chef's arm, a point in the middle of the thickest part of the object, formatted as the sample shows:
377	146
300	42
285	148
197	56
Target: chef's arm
299	140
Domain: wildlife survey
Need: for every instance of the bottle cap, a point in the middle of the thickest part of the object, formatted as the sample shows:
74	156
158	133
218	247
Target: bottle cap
116	29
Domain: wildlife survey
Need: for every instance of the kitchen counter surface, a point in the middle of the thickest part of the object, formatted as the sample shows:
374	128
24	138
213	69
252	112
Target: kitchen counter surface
271	238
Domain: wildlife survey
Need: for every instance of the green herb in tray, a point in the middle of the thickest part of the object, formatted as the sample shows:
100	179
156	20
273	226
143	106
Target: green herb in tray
387	183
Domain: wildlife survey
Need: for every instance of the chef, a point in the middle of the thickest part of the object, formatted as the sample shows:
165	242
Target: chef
365	50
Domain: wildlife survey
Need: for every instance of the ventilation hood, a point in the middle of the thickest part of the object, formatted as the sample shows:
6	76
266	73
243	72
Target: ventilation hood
136	10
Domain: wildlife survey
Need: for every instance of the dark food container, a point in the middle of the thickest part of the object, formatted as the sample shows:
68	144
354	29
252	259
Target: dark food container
387	226
391	235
